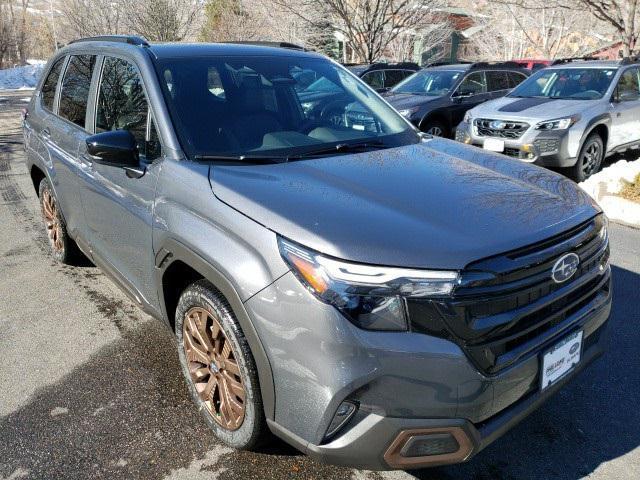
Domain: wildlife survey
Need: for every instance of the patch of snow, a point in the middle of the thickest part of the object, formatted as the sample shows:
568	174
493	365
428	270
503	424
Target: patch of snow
204	469
20	78
605	185
59	411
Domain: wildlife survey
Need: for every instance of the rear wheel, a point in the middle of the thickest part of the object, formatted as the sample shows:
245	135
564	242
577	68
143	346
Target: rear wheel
218	366
63	248
589	159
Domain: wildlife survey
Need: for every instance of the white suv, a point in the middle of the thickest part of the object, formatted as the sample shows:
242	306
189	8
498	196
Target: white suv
572	114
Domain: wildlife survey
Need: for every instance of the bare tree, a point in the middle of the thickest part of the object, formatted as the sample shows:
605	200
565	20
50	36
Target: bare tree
163	20
85	18
623	16
368	26
232	20
430	36
538	29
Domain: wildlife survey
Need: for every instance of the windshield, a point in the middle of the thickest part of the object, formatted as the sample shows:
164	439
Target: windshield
567	83
249	106
428	82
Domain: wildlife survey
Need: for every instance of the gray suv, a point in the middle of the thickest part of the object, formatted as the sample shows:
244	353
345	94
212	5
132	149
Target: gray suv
375	297
572	114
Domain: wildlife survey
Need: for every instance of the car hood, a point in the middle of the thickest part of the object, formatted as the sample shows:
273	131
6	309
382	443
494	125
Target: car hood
527	109
402	101
440	204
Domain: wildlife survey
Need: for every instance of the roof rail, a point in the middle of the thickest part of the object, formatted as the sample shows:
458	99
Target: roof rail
130	39
441	63
260	43
562	61
507	64
630	60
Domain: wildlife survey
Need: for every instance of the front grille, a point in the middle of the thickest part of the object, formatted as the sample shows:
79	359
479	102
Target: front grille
508	305
486	127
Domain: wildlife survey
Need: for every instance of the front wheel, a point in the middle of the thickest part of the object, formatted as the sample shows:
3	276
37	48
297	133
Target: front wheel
435	128
219	367
589	159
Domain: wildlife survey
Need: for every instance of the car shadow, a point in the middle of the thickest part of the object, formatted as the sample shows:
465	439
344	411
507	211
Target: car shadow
591	421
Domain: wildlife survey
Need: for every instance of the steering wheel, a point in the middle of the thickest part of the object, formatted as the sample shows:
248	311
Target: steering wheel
334	112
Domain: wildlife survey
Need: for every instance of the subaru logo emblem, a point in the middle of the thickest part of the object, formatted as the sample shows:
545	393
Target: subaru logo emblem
497	125
565	267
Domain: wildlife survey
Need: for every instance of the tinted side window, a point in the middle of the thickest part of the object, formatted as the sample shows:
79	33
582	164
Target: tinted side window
122	104
48	91
515	78
375	79
394	76
497	81
629	86
474	84
75	88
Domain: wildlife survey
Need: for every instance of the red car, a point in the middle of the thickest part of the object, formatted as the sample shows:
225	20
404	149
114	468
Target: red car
532	64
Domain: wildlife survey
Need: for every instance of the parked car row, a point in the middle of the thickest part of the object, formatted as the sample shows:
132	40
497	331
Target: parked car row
569	113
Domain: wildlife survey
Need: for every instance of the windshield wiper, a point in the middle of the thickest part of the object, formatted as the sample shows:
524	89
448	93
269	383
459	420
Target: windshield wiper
257	159
339	148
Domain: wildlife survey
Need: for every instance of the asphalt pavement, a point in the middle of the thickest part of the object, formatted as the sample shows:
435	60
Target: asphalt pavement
90	386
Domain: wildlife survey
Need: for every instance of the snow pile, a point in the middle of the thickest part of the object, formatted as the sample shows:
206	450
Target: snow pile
605	185
22	78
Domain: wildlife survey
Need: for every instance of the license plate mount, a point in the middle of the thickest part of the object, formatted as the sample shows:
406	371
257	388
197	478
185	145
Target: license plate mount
561	359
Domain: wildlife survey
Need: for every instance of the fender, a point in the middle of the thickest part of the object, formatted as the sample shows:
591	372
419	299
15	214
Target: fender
602	119
172	250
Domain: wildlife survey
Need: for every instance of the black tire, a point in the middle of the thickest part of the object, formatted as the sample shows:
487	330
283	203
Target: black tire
589	159
201	295
435	127
63	248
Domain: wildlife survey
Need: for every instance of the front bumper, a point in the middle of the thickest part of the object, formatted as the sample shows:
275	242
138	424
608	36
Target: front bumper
554	148
401	381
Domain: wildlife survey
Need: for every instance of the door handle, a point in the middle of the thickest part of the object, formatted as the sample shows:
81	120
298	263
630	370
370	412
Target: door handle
46	134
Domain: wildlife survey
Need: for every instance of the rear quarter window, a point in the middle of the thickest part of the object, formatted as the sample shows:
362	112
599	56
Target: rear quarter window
74	95
48	92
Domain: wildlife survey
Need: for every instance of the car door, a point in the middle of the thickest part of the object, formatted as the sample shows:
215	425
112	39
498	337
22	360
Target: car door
119	208
625	109
64	134
470	92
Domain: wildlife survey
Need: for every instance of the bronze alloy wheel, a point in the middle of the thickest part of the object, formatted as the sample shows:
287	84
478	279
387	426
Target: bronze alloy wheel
52	221
213	368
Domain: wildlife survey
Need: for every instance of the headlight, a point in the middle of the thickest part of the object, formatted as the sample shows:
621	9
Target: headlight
371	297
559	124
467	117
407	112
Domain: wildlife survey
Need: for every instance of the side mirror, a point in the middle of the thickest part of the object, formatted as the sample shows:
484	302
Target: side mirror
117	148
627	96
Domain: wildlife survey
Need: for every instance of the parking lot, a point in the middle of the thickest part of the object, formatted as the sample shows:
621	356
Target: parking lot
90	386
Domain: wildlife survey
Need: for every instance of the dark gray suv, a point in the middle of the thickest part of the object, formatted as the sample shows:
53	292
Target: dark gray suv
376	297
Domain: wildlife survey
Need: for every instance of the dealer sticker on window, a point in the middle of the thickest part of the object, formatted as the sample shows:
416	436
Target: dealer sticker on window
561	359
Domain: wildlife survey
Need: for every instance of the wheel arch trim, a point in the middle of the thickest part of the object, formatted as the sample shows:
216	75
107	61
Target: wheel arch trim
173	250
